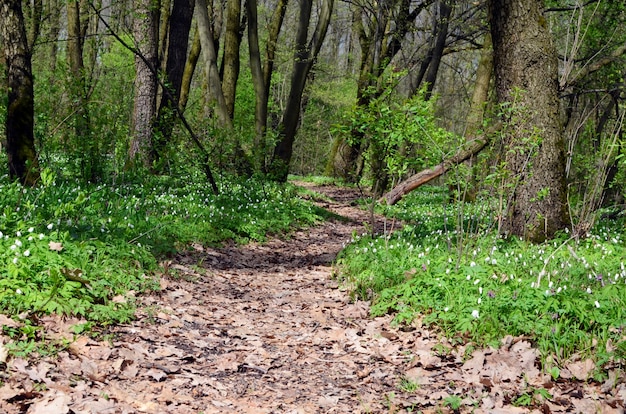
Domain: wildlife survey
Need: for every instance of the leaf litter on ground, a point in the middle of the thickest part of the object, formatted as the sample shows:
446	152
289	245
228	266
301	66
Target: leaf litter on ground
264	328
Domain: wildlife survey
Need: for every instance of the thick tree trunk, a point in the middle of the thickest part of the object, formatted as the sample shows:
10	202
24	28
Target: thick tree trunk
526	78
23	164
145	28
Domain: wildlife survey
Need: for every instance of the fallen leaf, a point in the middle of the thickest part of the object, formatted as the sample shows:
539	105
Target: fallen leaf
4	353
55	246
581	370
54	402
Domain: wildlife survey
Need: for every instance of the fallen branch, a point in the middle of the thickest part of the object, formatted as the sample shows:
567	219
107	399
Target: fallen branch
474	147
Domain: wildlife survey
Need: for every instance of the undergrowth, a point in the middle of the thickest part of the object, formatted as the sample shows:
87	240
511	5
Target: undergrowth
86	250
449	266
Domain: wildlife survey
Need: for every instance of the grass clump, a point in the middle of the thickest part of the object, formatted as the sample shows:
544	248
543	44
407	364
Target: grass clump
86	250
566	295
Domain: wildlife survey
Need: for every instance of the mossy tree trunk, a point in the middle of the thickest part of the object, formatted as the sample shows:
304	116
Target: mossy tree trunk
23	164
145	30
526	74
262	70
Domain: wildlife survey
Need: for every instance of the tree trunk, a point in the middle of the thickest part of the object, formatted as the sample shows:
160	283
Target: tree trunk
262	73
145	28
305	56
437	51
86	146
232	40
54	13
379	46
23	164
210	65
180	25
526	78
190	68
475	117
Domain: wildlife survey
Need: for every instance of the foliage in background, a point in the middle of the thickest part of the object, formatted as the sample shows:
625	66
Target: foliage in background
402	135
110	105
567	295
329	99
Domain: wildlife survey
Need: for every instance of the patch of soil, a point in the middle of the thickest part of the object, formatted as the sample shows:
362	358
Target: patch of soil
264	328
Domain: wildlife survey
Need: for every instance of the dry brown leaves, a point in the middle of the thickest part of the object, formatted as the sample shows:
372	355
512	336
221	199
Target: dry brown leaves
264	329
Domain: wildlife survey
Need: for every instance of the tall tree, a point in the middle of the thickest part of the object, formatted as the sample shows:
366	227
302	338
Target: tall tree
379	45
231	60
209	53
178	39
526	74
305	54
145	30
77	30
23	164
262	69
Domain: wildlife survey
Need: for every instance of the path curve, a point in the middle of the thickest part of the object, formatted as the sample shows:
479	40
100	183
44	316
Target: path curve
264	328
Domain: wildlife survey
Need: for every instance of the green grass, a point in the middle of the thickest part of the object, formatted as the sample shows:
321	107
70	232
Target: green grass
72	249
449	266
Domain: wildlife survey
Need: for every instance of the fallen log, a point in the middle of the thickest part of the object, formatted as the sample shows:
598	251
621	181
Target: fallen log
473	147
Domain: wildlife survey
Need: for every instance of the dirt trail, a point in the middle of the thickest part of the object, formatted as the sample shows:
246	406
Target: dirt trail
263	328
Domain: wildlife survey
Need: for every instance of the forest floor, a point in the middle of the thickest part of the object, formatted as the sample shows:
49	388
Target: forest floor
264	328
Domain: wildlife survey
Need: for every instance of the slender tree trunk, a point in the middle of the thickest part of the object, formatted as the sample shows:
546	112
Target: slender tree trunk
54	13
145	29
76	28
440	43
178	38
190	68
23	164
262	73
304	58
474	122
526	77
231	62
210	64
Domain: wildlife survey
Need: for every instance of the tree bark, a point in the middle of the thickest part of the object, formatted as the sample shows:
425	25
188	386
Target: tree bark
145	29
87	148
210	64
231	61
437	51
305	56
178	39
262	72
526	78
476	113
190	68
22	156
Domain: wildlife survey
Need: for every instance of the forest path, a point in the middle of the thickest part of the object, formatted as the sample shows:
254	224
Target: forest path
263	328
